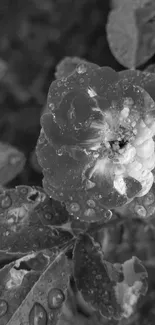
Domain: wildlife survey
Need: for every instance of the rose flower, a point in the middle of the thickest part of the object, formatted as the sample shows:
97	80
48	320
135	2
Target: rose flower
96	145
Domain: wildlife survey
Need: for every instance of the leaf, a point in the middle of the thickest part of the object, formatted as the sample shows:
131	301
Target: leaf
150	68
54	214
113	290
130	33
122	36
21	228
34	296
92	278
130	3
12	162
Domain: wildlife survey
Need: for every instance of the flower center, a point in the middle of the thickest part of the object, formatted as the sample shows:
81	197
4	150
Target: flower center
128	149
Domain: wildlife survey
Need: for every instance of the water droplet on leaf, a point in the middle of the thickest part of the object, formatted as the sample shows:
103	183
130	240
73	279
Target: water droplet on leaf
140	210
55	298
108	215
23	189
90	213
91	203
3	307
59	152
38	315
48	216
51	316
74	207
51	106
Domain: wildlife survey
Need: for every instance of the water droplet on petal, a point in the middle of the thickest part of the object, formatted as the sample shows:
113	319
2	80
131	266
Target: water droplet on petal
108	215
48	216
5	201
74	207
91	203
140	210
3	307
59	152
38	315
55	298
51	106
81	68
90	213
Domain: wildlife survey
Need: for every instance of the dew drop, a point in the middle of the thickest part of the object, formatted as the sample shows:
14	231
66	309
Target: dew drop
5	201
55	298
51	316
108	215
90	213
74	207
51	106
59	152
23	189
125	86
95	154
140	210
148	199
3	307
48	216
38	315
91	203
81	68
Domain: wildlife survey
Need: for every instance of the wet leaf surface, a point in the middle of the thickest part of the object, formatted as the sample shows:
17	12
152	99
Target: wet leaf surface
37	295
110	289
92	277
130	32
22	230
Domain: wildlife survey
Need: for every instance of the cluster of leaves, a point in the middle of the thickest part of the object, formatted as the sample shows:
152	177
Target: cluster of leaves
41	252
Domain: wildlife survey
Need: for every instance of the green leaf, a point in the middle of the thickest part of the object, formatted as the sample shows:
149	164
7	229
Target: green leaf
21	228
113	290
93	279
35	295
